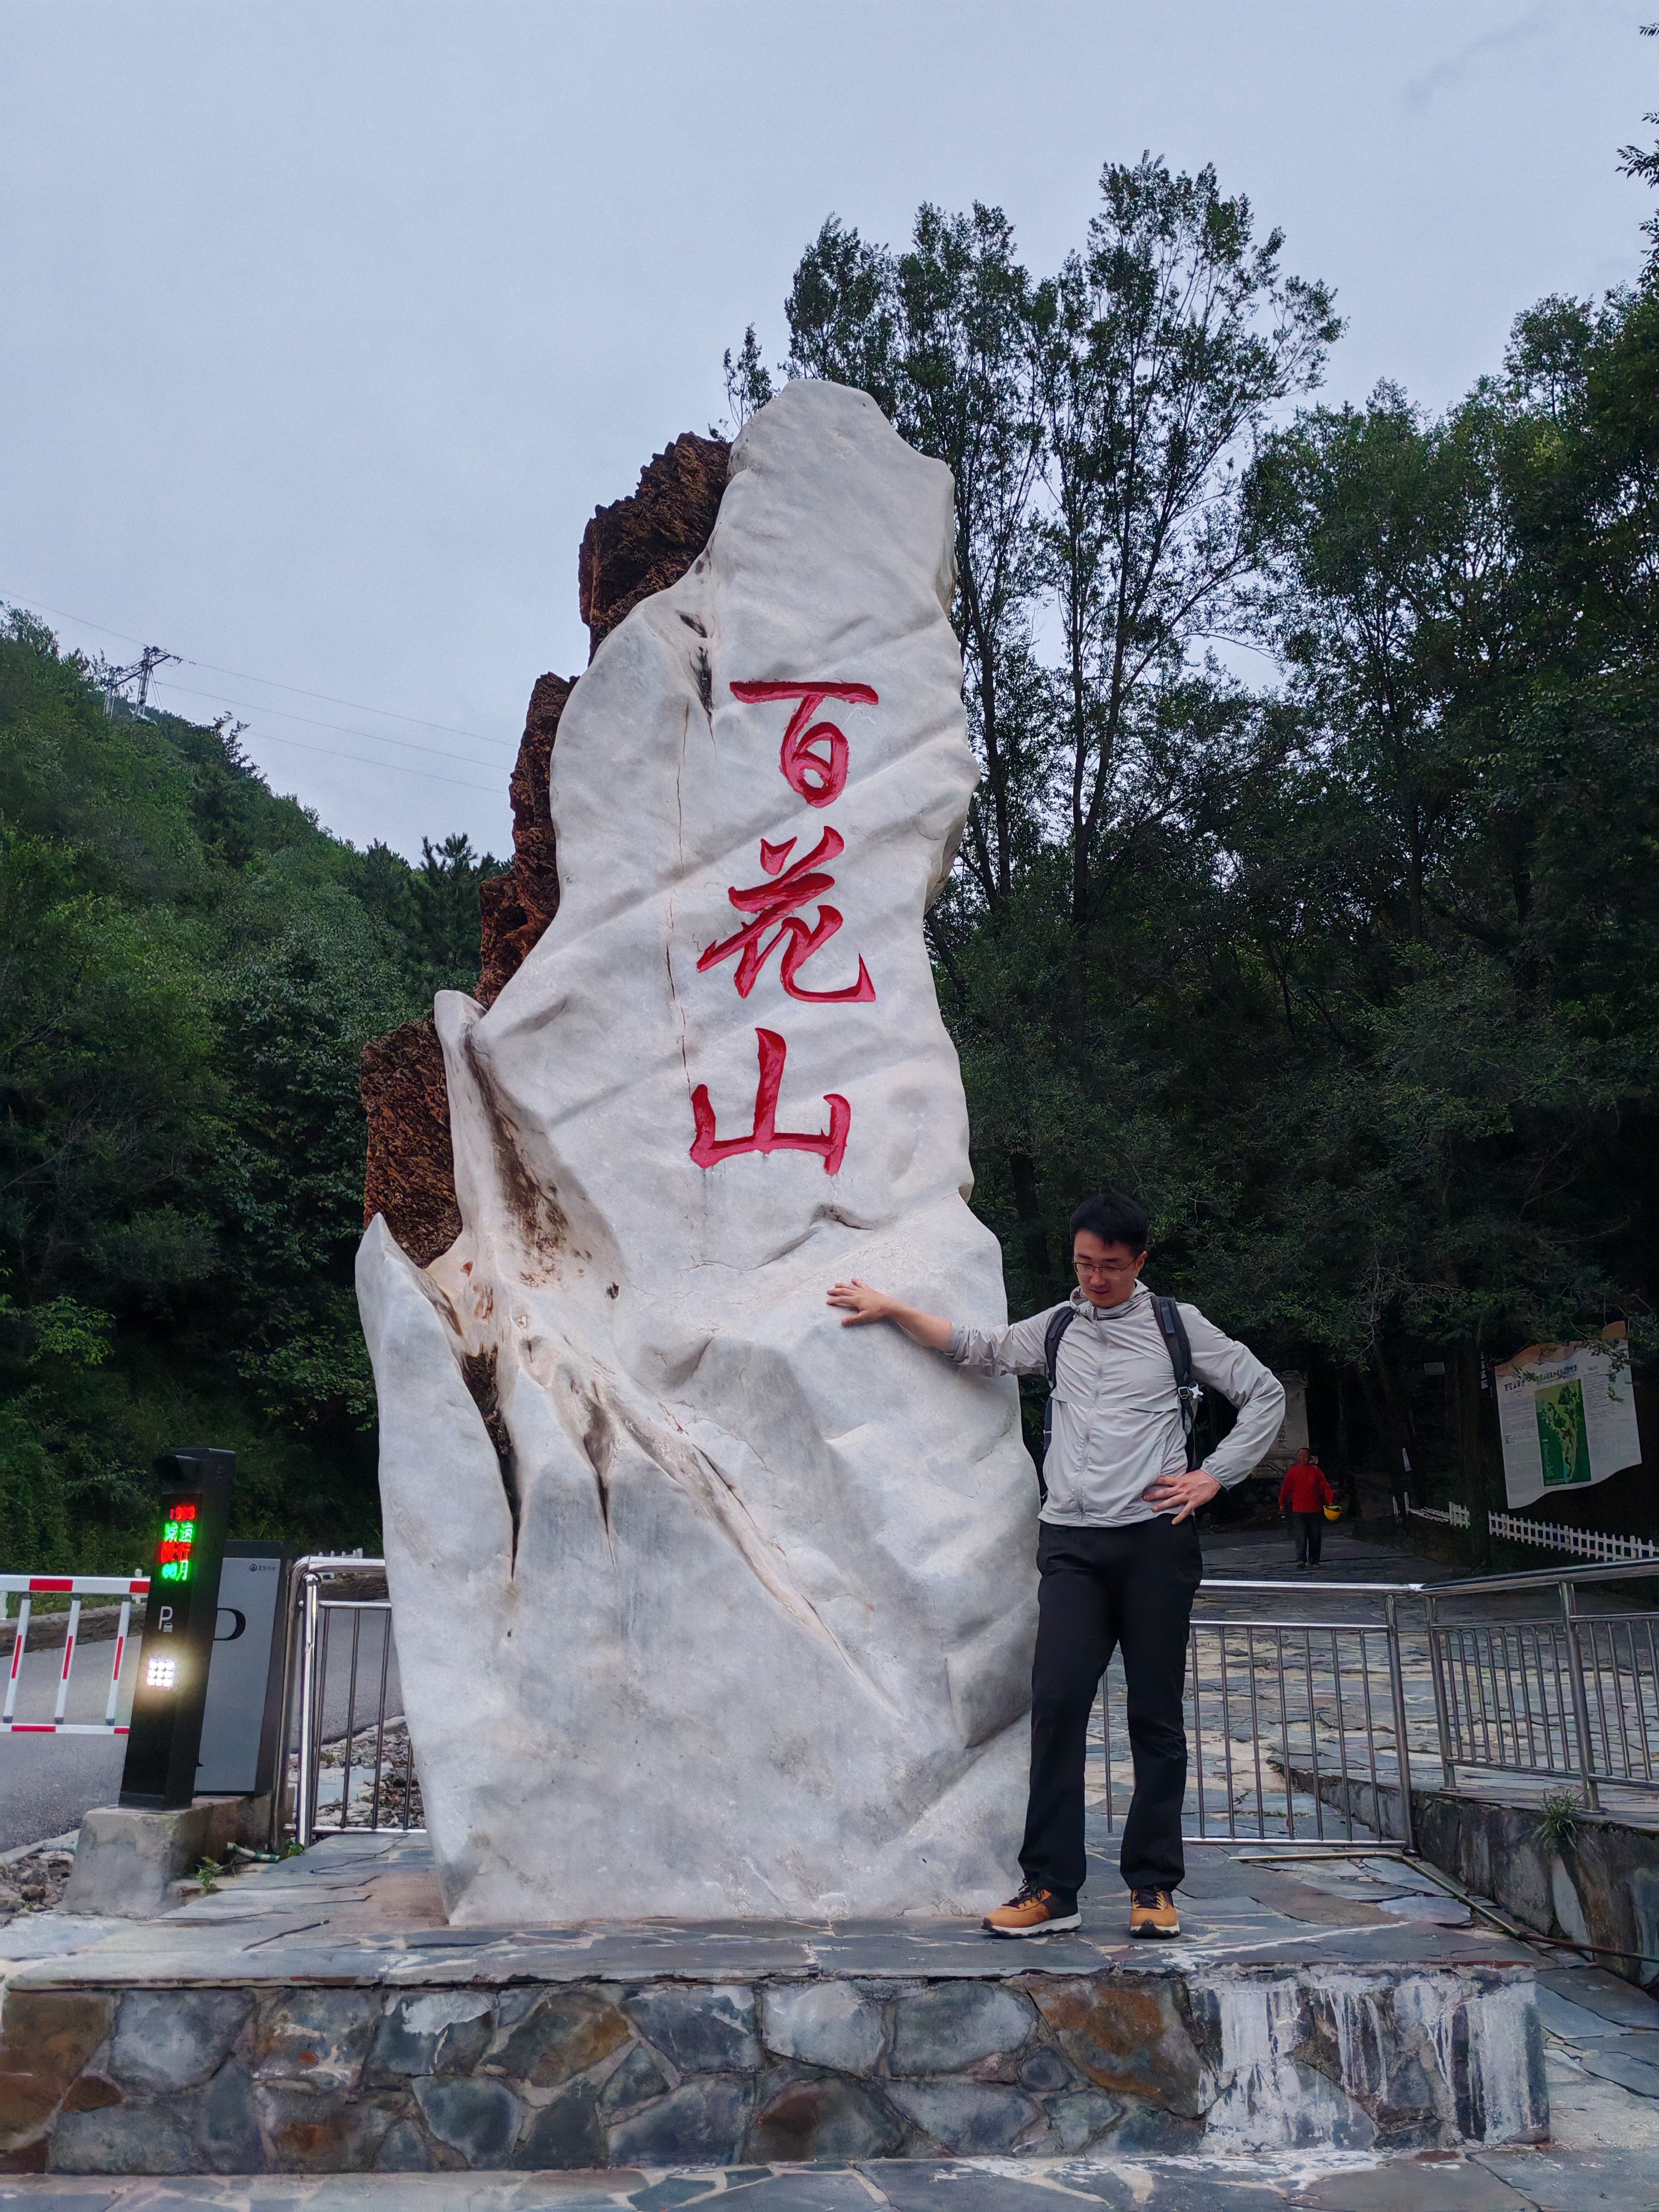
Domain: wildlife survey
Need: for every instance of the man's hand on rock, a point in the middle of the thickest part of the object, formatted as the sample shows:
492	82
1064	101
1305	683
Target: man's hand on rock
864	1305
863	1302
1189	1492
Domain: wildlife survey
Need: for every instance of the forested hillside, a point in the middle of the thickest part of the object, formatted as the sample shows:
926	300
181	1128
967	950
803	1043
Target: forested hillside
191	968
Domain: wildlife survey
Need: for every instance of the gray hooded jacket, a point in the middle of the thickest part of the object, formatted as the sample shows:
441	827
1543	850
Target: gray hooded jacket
1117	1418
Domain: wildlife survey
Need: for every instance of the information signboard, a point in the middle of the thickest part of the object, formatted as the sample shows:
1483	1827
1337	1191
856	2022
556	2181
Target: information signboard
1566	1413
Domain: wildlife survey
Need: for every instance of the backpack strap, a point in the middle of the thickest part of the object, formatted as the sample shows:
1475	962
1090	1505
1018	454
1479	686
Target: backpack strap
1059	1322
1173	1330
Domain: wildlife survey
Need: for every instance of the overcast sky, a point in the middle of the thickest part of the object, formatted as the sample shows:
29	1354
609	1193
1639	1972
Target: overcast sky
326	327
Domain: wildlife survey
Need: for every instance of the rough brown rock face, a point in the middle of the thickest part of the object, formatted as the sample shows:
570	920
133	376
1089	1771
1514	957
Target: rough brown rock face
409	1175
639	545
645	543
518	903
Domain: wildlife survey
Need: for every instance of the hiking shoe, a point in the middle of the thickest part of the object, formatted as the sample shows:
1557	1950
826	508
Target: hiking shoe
1034	1911
1151	1913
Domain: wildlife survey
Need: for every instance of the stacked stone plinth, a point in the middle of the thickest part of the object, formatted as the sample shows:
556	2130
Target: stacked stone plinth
597	2073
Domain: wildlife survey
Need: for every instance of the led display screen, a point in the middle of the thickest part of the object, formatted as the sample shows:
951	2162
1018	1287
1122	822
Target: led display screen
174	1556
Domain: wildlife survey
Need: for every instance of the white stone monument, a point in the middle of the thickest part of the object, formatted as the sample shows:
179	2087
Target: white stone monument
707	1606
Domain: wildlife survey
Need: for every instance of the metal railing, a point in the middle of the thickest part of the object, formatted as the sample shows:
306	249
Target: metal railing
75	1588
339	1681
1304	1729
1299	1729
1574	1697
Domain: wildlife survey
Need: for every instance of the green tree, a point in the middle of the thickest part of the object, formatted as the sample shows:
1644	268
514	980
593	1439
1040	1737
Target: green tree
188	971
1643	162
941	335
1352	974
1163	350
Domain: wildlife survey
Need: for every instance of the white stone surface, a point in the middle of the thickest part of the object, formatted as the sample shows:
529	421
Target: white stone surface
742	1624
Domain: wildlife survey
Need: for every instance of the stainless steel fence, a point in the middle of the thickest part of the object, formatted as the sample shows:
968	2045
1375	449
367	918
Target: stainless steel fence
1572	1695
347	1761
1299	1729
1305	1729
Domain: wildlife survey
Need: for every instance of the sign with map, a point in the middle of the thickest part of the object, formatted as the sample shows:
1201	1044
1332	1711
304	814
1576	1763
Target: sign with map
1566	1413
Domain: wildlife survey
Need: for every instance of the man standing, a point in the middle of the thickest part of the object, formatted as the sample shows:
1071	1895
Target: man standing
1304	1495
1117	1549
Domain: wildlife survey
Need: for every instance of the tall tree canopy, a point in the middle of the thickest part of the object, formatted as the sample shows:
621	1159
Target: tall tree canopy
1346	964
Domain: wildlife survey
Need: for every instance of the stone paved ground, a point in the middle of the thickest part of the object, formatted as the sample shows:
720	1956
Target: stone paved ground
369	1908
1551	2180
1602	2053
348	1945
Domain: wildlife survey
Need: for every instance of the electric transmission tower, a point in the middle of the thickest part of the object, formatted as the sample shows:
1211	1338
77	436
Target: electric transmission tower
141	669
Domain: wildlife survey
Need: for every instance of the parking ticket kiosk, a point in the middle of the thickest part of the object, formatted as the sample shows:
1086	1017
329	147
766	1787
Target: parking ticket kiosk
164	1742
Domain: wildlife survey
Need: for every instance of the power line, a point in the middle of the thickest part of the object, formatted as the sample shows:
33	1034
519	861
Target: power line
242	676
374	737
153	657
397	767
356	705
141	669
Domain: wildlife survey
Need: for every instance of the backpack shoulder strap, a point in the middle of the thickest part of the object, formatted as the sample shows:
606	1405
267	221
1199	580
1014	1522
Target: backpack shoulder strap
1059	1323
1173	1330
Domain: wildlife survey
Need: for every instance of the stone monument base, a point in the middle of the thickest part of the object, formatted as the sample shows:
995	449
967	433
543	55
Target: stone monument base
318	2017
128	1864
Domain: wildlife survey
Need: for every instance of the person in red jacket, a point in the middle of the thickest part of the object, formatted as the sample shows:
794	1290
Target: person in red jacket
1304	1495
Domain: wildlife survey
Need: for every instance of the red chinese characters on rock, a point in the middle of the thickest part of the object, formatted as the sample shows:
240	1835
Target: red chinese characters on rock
772	903
813	761
818	778
766	1136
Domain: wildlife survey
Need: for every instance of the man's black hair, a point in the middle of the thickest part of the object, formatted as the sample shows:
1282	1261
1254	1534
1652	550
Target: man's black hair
1115	1217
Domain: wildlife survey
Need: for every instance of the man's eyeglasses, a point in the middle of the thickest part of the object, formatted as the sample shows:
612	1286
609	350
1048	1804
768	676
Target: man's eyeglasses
1104	1266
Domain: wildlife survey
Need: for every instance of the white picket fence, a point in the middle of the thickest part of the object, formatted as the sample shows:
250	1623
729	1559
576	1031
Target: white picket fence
1453	1516
1582	1543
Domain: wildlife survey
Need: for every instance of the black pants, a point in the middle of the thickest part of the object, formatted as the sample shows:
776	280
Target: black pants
1102	1588
1308	1530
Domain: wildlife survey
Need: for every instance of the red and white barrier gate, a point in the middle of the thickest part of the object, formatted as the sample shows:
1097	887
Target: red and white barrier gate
75	1587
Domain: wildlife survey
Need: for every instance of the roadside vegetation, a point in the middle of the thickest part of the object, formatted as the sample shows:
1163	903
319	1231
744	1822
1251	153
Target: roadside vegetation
189	967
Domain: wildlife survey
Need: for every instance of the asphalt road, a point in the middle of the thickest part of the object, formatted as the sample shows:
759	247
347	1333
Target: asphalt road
47	1781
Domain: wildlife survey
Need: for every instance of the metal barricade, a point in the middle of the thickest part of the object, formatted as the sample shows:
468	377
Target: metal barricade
339	1680
1296	1729
76	1588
